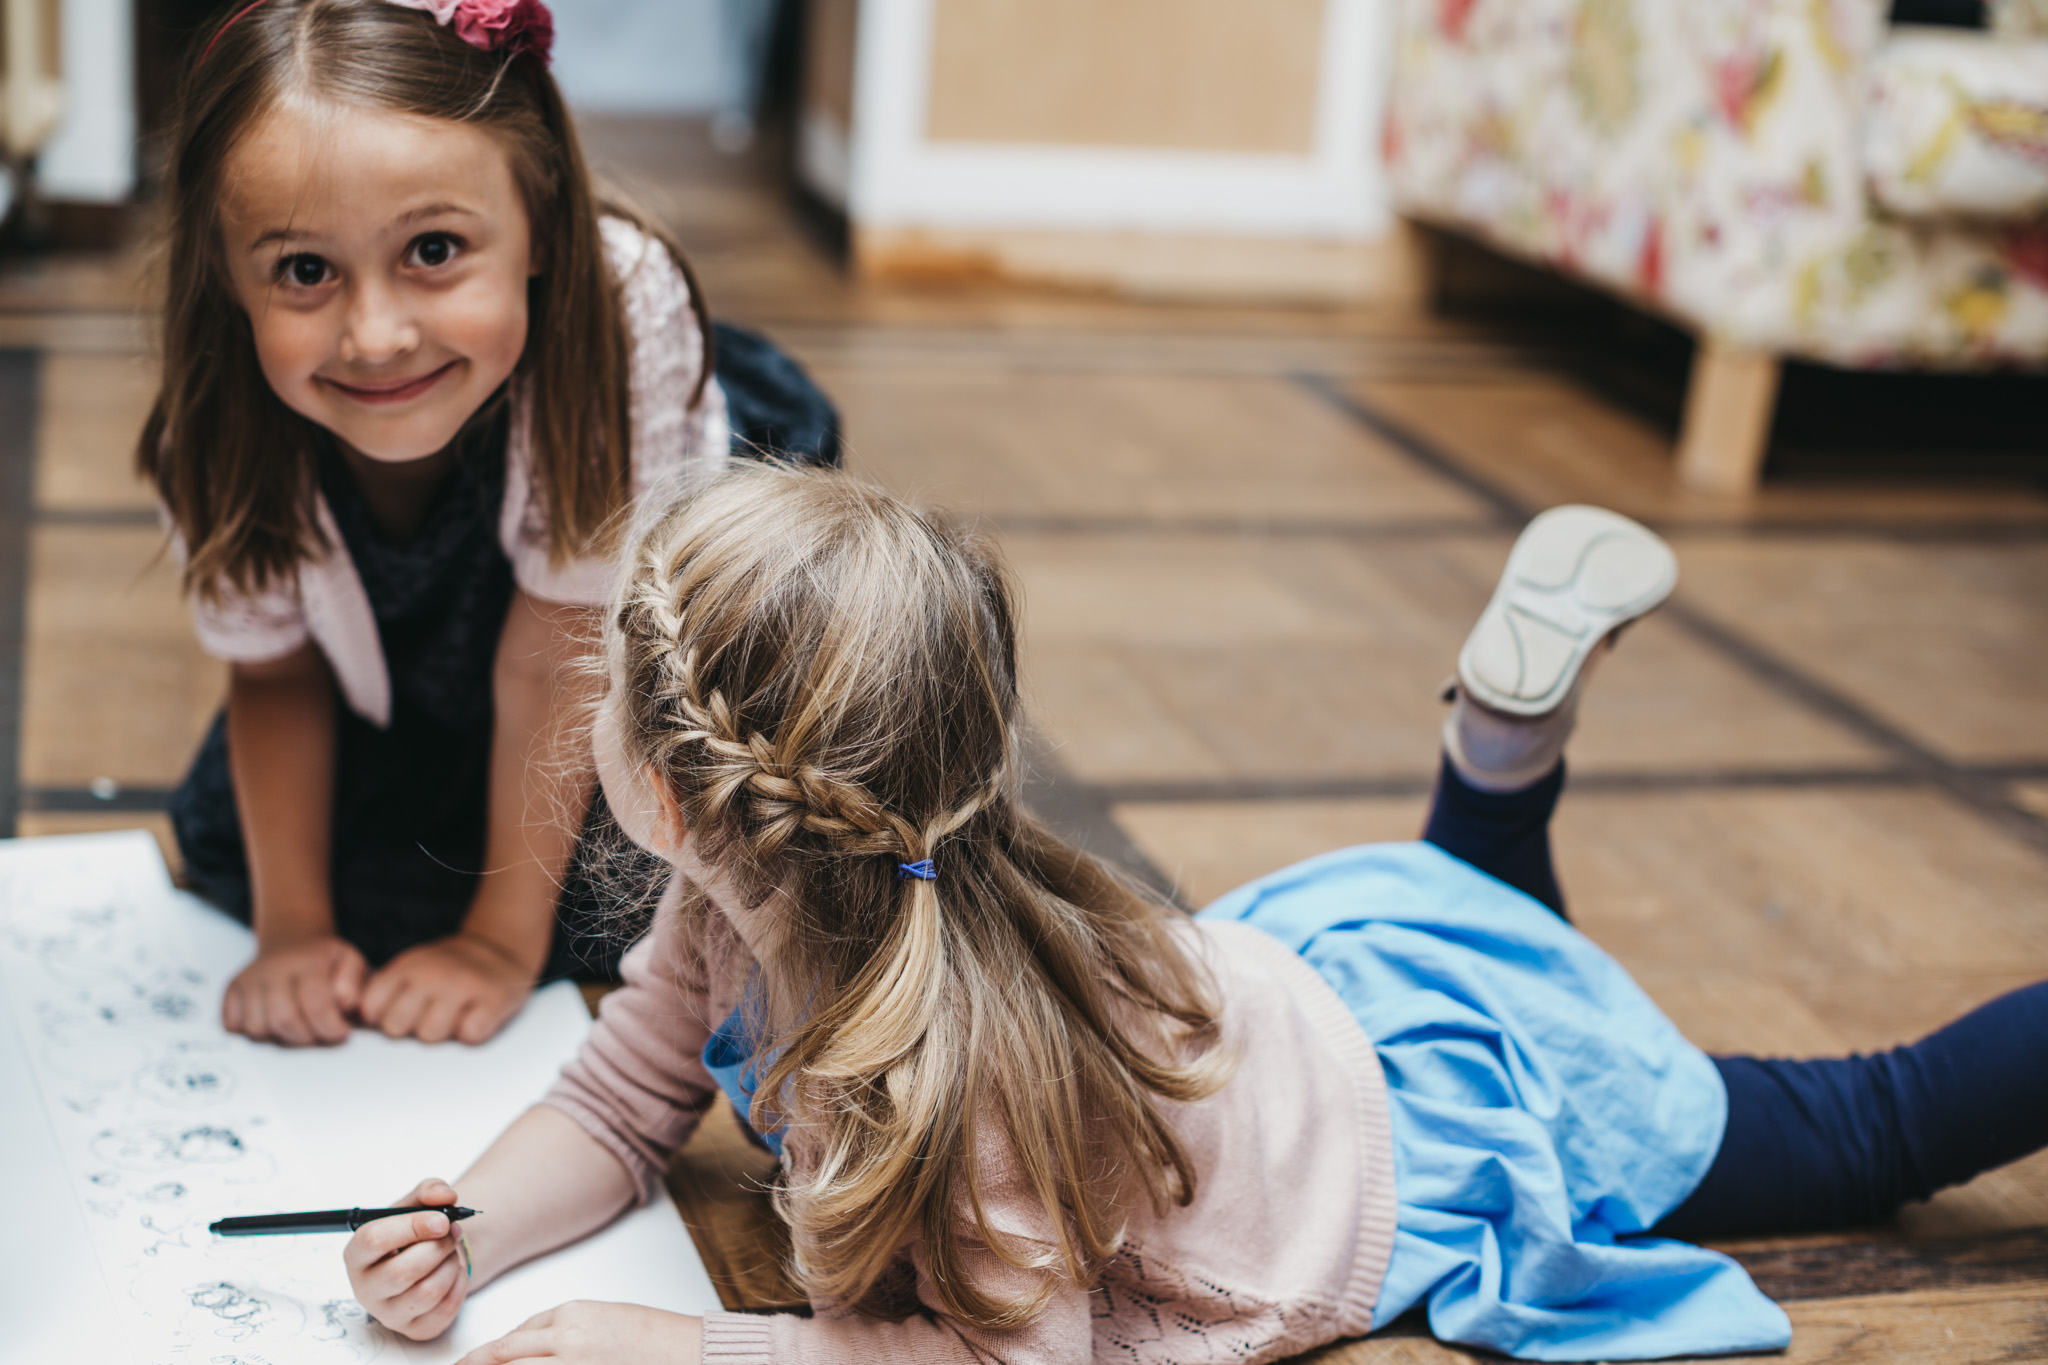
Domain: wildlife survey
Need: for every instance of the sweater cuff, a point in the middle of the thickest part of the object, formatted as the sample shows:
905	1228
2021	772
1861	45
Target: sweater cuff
738	1338
645	1176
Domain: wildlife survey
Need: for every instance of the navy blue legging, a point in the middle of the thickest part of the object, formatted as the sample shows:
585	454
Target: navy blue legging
1830	1143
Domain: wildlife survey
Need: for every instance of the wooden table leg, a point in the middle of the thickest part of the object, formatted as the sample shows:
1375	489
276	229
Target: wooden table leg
1728	411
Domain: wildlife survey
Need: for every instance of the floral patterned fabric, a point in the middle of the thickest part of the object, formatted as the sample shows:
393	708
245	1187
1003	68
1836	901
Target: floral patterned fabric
2019	18
1958	126
1706	160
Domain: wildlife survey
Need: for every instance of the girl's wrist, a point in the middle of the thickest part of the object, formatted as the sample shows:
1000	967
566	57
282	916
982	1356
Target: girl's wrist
480	1253
508	933
283	928
473	1254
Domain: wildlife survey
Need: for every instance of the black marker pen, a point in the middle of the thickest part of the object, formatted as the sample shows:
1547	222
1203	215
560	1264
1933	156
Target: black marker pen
325	1220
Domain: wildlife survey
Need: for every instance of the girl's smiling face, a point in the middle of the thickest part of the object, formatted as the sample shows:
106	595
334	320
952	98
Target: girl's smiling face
382	260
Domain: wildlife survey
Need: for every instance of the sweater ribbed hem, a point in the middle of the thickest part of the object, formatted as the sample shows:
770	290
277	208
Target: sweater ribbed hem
738	1338
1333	1020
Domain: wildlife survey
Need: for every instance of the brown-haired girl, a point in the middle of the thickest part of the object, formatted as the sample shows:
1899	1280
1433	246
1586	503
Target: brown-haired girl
1027	1114
412	372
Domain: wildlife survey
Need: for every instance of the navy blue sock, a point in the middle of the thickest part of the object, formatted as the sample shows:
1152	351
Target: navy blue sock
1506	835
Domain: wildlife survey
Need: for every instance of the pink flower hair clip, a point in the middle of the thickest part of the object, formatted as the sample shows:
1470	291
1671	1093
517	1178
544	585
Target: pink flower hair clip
511	26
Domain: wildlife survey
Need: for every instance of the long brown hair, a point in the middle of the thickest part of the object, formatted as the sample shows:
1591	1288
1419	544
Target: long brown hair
231	461
825	680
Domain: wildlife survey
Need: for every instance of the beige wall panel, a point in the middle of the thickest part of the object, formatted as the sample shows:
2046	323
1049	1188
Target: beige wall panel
828	59
1204	75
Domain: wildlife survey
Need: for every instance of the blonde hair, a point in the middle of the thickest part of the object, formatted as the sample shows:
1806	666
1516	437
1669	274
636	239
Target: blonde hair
825	680
233	464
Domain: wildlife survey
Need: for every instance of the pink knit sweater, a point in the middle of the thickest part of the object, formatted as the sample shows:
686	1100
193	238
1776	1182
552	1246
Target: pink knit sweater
1282	1249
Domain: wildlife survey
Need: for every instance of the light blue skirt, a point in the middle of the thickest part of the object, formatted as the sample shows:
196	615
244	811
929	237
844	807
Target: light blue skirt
1543	1110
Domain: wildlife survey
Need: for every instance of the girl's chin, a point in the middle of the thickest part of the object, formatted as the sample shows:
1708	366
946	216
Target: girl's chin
415	441
412	432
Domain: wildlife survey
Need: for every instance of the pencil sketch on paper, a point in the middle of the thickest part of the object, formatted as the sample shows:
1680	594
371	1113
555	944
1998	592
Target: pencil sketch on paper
160	1126
241	1313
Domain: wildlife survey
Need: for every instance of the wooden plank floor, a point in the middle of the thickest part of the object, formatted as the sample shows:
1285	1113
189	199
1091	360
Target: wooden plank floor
1810	800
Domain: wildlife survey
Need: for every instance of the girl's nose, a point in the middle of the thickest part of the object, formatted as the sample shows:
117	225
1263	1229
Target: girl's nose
380	326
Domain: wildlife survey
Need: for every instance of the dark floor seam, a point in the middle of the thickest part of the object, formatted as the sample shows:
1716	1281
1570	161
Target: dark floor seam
1251	790
84	800
1964	534
18	402
99	516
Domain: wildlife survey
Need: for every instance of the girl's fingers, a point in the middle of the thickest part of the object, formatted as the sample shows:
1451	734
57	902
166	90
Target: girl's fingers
255	1019
377	997
425	1293
403	1011
231	1008
316	1004
437	1020
349	971
520	1345
428	1226
282	1007
479	1022
389	1236
409	1265
441	1314
435	1320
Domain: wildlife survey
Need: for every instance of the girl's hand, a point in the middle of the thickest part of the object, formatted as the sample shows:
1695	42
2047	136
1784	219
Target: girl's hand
296	993
410	1272
457	987
598	1334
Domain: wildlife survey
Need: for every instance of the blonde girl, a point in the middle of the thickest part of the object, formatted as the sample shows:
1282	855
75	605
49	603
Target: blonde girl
1025	1113
412	370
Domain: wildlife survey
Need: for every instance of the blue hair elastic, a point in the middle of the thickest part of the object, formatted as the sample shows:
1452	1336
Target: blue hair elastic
922	869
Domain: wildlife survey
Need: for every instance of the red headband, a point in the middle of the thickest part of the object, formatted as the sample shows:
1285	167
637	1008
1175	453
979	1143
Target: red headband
512	26
210	42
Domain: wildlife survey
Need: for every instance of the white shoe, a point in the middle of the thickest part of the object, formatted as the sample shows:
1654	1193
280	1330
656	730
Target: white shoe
1575	576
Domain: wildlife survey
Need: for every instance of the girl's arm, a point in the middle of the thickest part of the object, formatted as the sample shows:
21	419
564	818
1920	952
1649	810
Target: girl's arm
541	776
546	1182
281	737
552	1177
467	986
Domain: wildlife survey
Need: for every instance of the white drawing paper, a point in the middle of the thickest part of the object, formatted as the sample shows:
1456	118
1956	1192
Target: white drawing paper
133	1120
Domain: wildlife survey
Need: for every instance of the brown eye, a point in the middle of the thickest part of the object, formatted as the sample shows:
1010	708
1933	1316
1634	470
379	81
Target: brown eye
434	249
305	270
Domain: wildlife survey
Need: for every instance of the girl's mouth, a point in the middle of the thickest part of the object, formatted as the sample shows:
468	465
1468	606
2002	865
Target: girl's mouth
396	392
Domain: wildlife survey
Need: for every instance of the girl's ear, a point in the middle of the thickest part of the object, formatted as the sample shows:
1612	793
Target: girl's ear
668	830
641	802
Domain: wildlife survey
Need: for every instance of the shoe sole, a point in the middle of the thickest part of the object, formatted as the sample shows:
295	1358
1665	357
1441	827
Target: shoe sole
1576	574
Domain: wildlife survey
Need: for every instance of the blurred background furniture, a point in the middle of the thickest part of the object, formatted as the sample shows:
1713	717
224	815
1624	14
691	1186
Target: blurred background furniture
1179	148
1795	178
33	94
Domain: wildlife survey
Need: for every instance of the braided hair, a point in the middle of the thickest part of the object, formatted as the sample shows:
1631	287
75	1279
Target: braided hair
825	680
